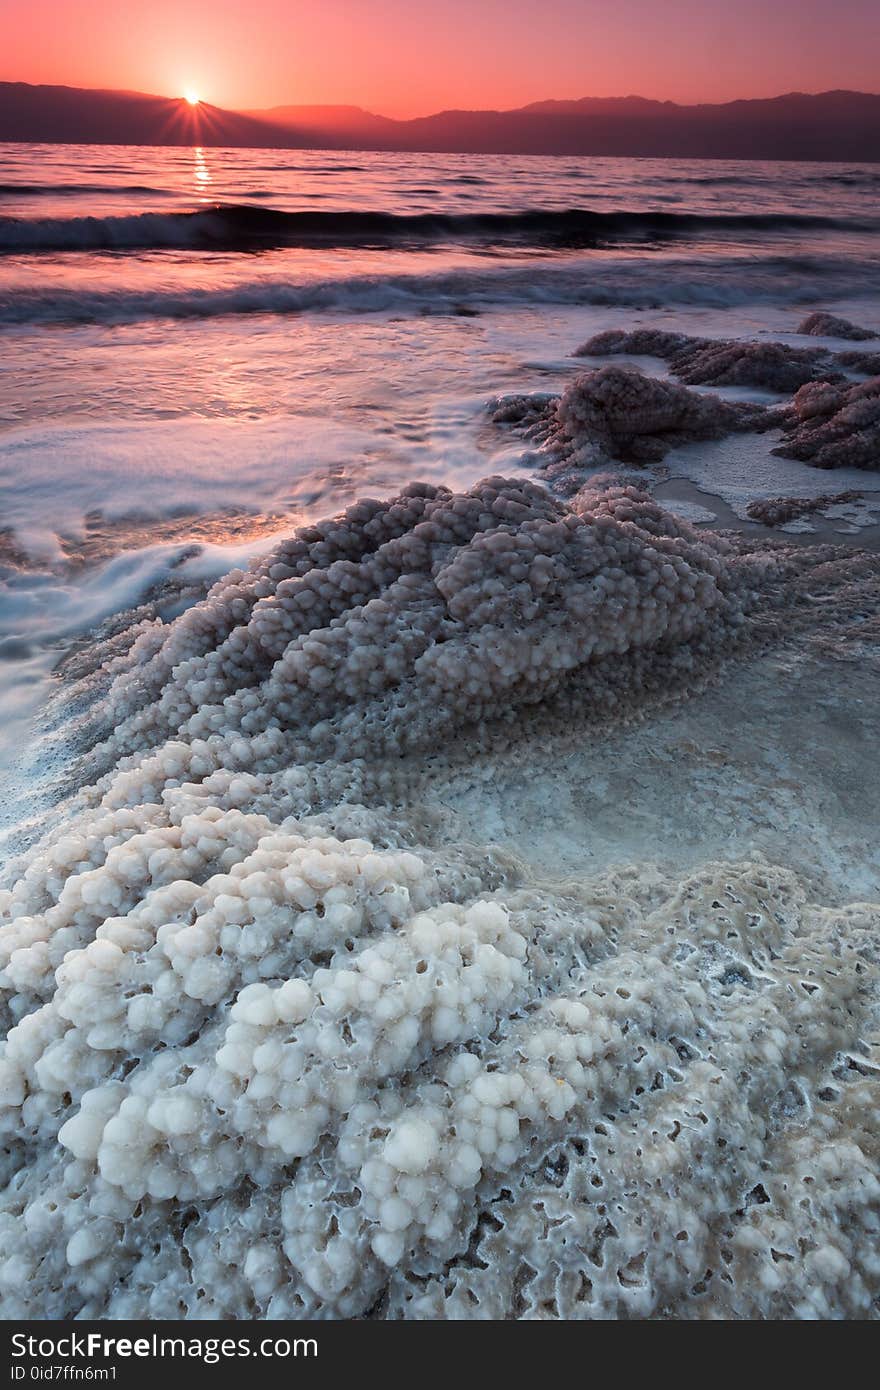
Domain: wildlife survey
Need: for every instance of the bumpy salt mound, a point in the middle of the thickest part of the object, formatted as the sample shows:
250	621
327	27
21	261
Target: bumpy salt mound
642	417
821	325
636	416
725	362
617	412
835	426
393	625
256	1070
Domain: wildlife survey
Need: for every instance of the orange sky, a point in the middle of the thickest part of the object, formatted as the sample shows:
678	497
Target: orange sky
408	57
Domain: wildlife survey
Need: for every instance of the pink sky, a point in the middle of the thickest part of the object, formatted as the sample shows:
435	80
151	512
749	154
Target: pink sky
411	57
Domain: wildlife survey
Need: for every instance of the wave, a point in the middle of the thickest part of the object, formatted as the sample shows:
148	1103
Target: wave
74	190
855	179
241	226
784	280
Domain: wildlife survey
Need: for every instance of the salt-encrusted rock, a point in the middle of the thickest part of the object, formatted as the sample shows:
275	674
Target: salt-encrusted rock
619	413
724	362
835	426
822	325
632	415
476	604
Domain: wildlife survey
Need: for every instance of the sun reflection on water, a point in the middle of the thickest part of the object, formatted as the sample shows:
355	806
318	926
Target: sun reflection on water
201	173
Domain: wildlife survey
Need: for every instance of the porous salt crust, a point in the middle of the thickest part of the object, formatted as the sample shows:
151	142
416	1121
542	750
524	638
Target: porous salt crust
835	426
714	362
822	325
265	1063
279	1074
618	412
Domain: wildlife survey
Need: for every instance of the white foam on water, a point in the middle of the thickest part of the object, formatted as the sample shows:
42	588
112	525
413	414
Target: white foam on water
612	281
52	476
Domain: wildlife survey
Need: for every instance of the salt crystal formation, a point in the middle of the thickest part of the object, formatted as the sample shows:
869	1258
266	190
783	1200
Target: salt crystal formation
835	426
823	325
376	632
260	1062
617	412
719	362
638	416
284	1075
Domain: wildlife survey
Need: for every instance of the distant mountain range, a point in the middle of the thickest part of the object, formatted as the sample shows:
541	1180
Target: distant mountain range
836	125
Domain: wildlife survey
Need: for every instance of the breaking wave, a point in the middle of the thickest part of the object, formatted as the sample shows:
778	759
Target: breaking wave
241	225
772	280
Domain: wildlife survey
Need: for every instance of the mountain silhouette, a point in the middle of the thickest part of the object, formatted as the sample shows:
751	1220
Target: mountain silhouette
838	125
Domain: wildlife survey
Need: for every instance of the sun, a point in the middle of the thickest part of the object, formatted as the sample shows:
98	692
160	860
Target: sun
191	97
